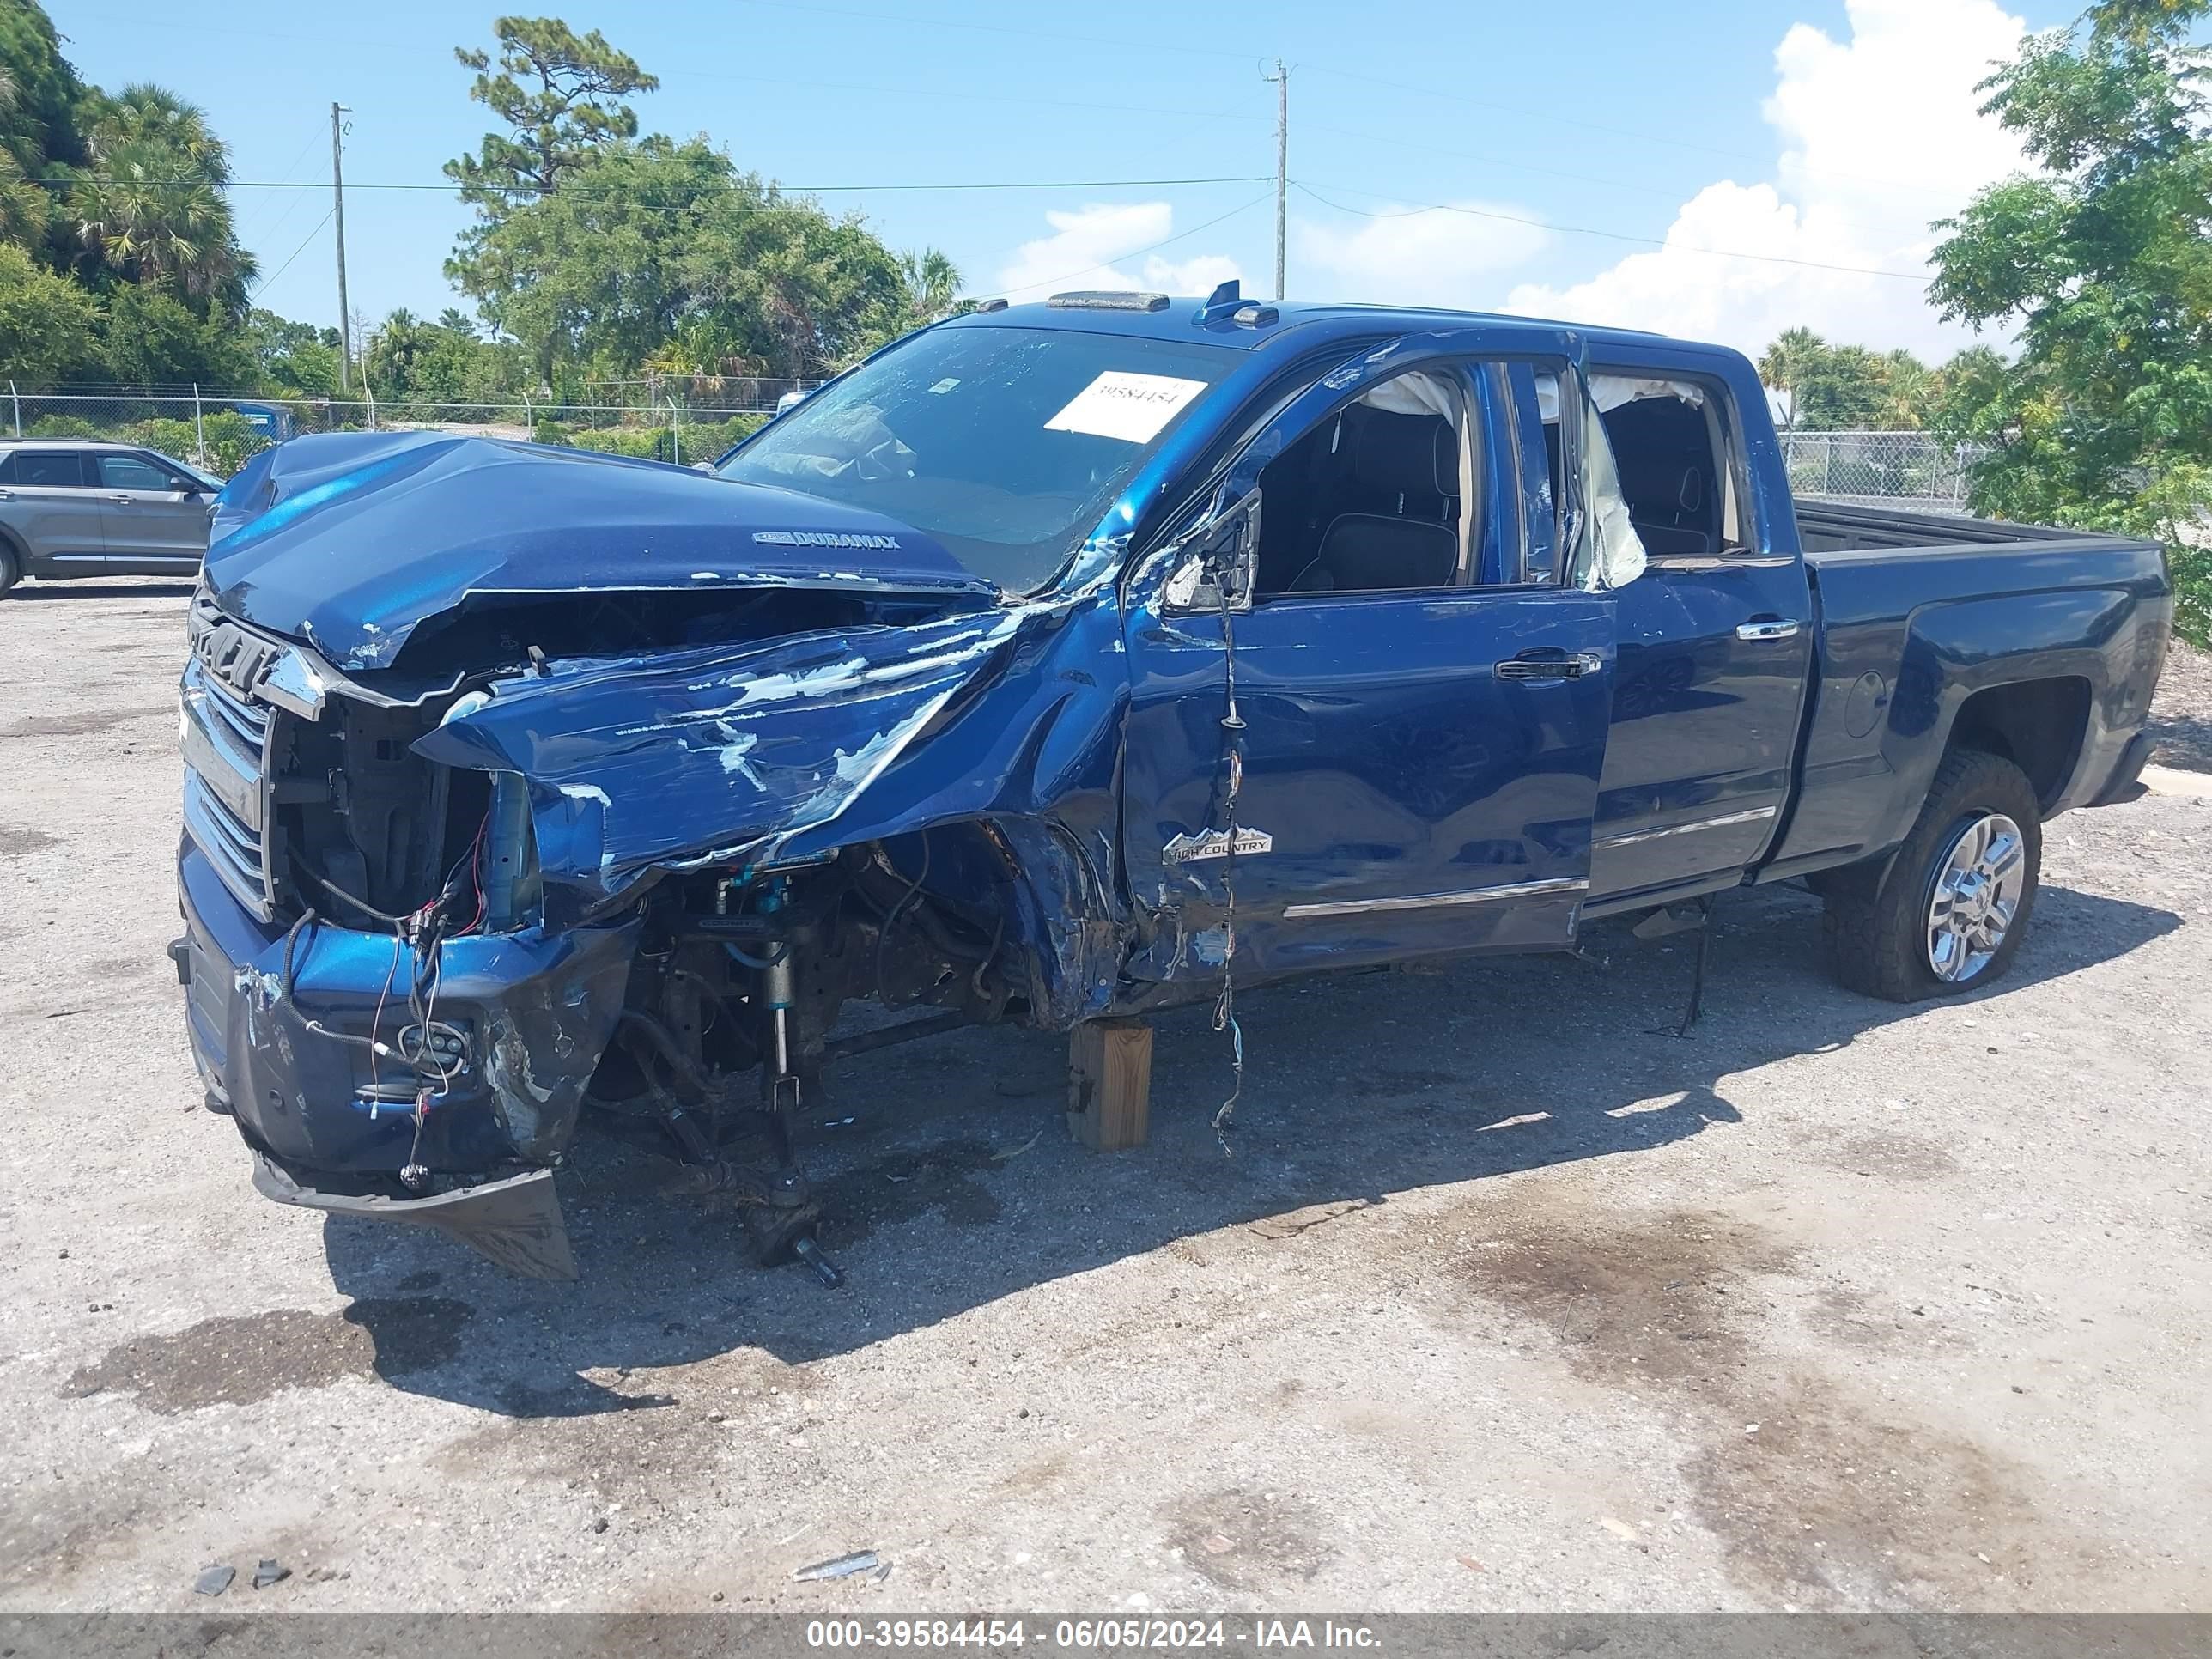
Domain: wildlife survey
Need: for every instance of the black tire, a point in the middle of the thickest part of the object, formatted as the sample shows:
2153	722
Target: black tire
11	567
1877	921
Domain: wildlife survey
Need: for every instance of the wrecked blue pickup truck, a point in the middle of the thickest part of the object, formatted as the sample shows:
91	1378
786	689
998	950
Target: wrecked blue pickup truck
1063	662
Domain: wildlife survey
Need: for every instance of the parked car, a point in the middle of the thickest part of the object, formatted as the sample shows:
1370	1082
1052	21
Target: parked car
1064	662
75	507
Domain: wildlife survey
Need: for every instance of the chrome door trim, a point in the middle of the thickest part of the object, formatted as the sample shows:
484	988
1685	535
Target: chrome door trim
1633	837
1426	901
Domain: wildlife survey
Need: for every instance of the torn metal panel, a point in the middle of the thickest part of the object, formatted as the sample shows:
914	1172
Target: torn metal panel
723	755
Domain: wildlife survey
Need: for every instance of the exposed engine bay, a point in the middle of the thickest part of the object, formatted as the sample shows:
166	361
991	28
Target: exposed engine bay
737	965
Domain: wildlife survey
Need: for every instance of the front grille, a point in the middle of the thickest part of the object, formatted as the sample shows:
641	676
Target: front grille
225	744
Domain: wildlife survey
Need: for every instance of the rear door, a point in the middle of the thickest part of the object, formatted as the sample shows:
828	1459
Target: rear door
155	519
1715	641
1417	768
47	499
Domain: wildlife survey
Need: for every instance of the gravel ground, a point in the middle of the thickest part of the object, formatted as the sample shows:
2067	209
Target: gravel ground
2181	714
1504	1303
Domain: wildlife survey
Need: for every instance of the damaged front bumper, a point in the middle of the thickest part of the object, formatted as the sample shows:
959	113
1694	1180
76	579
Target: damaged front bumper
279	1020
516	1220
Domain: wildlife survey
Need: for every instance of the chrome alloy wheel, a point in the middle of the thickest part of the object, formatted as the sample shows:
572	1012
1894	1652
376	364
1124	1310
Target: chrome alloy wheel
1980	882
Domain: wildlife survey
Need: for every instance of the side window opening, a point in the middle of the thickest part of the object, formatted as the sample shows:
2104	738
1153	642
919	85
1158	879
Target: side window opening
134	472
1670	443
49	469
1371	498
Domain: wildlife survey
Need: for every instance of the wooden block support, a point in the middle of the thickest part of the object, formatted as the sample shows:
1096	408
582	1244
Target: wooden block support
1110	1084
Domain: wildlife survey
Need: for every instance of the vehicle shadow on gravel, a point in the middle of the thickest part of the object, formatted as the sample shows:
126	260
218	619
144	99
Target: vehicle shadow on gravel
955	1182
44	591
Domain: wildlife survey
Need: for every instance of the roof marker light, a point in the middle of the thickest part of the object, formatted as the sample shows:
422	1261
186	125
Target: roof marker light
1092	299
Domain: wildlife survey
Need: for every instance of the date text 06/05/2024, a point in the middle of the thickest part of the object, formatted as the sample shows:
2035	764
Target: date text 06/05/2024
1088	1635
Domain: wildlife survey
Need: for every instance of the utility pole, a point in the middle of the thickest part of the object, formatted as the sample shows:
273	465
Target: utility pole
338	210
1281	77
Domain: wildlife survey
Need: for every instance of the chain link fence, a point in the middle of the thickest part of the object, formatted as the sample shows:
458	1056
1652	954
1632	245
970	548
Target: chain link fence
1912	472
218	432
688	420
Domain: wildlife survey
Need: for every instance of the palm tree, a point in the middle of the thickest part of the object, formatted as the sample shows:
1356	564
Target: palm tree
391	353
145	113
151	207
1782	365
932	284
1909	390
22	204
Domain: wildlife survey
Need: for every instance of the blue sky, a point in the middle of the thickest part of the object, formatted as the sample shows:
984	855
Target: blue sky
1817	134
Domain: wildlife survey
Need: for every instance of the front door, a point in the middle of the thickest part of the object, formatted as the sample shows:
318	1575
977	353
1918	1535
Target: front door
1420	750
155	523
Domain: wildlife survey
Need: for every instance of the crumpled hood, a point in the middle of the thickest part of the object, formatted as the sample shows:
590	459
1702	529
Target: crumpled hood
345	540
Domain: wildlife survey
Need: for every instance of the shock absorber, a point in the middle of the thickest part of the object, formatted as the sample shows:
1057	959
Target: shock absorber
789	1223
779	983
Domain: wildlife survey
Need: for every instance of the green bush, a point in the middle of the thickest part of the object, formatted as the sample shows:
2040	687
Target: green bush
231	439
695	442
643	443
2192	570
172	438
62	426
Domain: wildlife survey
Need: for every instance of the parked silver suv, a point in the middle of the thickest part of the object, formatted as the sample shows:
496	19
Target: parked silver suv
73	508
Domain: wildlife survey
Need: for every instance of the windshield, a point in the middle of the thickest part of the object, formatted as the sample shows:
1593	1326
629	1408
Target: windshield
1005	444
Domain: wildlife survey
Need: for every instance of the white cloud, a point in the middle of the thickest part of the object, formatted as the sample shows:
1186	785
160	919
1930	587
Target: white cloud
1879	134
1091	246
1411	258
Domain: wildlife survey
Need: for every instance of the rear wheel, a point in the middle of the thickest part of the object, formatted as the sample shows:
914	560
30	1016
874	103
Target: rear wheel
1948	912
11	568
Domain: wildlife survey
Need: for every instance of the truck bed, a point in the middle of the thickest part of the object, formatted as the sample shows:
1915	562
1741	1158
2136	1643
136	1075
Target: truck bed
1917	613
1837	527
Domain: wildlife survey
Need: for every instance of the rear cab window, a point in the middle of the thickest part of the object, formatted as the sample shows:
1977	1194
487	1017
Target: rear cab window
1676	445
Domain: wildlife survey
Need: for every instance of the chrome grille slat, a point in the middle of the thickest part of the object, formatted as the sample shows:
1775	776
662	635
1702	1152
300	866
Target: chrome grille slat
242	845
234	850
226	738
250	724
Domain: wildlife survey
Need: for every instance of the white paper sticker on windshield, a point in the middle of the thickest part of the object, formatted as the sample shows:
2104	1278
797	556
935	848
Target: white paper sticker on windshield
1131	407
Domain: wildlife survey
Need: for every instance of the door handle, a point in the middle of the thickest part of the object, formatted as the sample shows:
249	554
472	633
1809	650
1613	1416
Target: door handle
1769	628
120	501
1554	665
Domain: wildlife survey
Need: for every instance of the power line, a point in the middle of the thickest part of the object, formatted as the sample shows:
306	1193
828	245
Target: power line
291	168
1552	118
1497	161
261	287
578	188
1609	235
